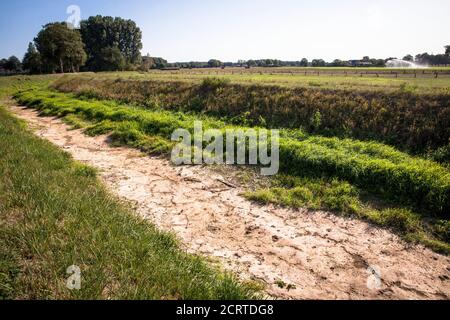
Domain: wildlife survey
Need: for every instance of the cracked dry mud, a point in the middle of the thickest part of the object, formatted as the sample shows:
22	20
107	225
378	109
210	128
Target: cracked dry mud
316	254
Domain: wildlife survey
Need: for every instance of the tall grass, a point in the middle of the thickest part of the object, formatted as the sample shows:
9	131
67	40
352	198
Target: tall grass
373	166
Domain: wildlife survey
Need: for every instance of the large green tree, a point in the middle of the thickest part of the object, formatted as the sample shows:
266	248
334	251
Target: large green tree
304	62
13	65
111	59
319	63
107	32
408	58
213	63
149	62
32	60
61	48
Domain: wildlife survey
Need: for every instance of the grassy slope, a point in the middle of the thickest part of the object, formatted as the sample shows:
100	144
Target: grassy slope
54	213
365	163
371	165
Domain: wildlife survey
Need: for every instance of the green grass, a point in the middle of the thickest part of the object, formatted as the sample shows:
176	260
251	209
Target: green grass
373	166
10	85
54	213
326	173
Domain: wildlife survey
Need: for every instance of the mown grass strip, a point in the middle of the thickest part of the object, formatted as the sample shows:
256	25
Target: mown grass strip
54	213
372	166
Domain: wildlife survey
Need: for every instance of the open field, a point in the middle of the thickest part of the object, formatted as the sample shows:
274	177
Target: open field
327	72
324	166
327	79
191	155
407	181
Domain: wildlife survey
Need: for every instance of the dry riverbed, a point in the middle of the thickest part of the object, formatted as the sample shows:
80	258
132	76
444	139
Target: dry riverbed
298	254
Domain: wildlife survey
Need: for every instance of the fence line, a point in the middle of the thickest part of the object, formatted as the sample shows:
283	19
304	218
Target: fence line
432	74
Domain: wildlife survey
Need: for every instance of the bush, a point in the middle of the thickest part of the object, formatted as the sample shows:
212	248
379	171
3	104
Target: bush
400	219
213	84
441	154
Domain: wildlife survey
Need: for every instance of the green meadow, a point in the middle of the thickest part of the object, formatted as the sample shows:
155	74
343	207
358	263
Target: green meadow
367	179
51	204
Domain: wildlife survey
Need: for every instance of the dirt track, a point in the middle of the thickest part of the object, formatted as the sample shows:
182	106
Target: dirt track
319	255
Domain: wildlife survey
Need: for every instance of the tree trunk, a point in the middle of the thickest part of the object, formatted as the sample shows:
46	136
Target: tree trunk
61	65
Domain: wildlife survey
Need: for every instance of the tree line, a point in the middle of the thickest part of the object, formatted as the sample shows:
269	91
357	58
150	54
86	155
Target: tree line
424	59
114	44
101	44
431	59
149	62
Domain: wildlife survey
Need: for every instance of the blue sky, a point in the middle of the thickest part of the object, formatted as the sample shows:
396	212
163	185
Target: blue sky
243	29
